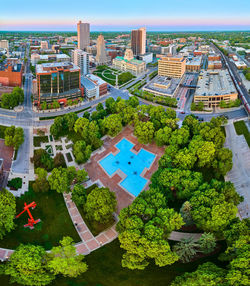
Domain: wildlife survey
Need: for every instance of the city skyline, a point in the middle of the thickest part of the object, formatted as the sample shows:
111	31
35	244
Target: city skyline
194	15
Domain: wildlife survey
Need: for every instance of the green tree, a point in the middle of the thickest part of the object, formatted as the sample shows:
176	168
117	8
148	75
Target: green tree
42	159
63	259
223	161
181	182
41	184
81	175
143	230
79	195
14	137
100	205
110	105
70	119
59	180
179	137
113	124
186	249
133	101
7	212
27	266
185	212
162	136
207	242
206	274
144	131
184	159
220	202
81	151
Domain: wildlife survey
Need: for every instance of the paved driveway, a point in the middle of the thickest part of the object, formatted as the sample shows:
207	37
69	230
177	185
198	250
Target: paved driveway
240	173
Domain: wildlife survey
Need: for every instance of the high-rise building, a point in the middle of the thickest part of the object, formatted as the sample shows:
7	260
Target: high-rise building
81	59
83	35
172	67
44	45
138	41
57	81
101	56
4	44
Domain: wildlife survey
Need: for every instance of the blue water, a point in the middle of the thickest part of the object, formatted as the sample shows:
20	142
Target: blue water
129	163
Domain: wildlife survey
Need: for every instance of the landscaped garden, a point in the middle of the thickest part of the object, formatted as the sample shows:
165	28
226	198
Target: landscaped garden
187	193
109	75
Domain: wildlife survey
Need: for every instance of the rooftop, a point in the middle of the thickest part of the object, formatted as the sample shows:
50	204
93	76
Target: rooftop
87	83
194	61
163	84
49	67
134	61
96	79
213	83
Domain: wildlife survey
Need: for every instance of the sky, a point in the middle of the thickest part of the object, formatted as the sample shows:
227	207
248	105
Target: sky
124	15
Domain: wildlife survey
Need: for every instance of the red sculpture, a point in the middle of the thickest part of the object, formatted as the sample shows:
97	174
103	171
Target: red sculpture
31	221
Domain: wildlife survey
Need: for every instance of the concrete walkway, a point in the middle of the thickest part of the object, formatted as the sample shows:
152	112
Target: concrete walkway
88	241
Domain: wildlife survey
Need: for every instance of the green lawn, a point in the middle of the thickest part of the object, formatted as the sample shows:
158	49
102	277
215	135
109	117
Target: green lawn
104	269
241	129
56	222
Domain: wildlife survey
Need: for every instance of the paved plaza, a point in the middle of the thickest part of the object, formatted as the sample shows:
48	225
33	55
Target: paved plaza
96	172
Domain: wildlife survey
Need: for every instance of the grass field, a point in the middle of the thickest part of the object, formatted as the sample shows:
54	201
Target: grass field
109	75
241	129
55	221
104	269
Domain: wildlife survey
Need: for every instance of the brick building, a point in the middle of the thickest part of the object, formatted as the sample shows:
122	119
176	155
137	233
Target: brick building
11	75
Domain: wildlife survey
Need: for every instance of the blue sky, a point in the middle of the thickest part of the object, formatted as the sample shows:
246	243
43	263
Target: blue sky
123	15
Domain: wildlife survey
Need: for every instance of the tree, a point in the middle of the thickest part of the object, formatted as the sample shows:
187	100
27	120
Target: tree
42	159
81	151
110	105
79	195
223	161
41	184
14	137
185	212
133	101
59	180
113	124
70	119
206	274
186	249
179	137
58	126
207	242
27	266
181	182
100	205
206	154
59	161
220	206
7	212
144	131
63	259
162	136
81	176
10	100
184	159
143	230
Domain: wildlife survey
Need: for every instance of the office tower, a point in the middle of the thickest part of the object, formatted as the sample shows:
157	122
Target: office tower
101	56
138	41
44	45
81	59
57	81
4	44
172	67
83	37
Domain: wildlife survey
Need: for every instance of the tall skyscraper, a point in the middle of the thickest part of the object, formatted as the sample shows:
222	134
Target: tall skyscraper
101	56
81	59
138	41
83	36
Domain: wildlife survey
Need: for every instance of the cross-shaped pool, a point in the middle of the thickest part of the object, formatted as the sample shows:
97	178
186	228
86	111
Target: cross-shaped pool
131	164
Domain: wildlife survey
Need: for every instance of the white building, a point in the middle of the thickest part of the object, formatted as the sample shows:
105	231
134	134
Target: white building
83	35
44	45
147	58
4	44
81	59
35	58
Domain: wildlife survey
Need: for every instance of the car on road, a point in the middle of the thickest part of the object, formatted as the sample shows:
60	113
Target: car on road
183	112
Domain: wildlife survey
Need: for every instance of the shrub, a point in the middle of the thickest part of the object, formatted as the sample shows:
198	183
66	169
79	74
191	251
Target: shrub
15	183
